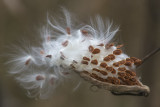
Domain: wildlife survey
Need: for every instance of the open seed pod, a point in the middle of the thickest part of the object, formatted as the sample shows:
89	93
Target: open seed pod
87	49
117	89
111	73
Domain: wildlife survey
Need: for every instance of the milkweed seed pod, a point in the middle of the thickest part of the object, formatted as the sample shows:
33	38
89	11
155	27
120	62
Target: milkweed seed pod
87	50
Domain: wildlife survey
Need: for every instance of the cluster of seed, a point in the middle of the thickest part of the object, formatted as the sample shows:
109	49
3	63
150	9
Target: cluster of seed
118	73
84	50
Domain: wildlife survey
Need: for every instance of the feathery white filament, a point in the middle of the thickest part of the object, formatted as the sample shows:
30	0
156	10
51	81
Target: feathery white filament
45	66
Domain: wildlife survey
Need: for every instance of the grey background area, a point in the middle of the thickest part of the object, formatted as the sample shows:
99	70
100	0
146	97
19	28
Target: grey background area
139	22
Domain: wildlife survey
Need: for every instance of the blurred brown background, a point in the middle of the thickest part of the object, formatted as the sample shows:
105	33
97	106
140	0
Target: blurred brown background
139	22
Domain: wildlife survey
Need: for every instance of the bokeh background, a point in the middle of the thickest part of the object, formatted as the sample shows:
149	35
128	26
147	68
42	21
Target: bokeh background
139	22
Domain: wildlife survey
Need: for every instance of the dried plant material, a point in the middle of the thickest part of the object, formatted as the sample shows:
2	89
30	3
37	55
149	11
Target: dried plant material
137	62
119	46
136	90
41	69
101	44
103	65
68	30
39	77
49	56
27	61
111	56
96	51
65	43
84	62
90	48
117	52
84	32
107	59
86	58
116	64
107	46
95	62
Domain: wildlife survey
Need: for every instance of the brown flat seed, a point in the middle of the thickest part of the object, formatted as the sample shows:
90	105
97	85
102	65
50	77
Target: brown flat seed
112	57
107	59
49	56
84	62
122	79
86	72
103	72
107	46
130	72
39	77
103	65
115	81
101	79
121	69
91	48
117	52
130	60
96	51
101	44
68	30
95	62
138	62
127	76
75	62
133	74
62	56
73	67
27	61
109	79
65	43
132	79
122	62
113	71
110	69
128	63
119	46
121	74
95	69
84	32
86	58
116	64
128	82
134	58
94	75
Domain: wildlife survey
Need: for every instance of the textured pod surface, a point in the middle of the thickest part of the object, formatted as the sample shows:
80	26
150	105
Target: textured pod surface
108	65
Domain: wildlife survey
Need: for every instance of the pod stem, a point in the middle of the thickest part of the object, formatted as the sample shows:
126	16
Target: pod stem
149	55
